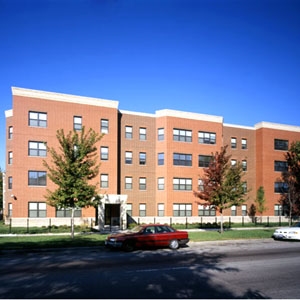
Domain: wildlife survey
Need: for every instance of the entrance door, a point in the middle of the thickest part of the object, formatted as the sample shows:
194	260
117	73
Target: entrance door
112	214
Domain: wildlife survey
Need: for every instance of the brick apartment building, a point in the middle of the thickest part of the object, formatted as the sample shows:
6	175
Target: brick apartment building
150	163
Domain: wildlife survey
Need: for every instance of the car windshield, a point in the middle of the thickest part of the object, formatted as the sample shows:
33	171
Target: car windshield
136	229
296	225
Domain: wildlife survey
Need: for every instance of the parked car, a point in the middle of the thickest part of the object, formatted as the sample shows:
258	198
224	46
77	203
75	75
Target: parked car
152	235
287	233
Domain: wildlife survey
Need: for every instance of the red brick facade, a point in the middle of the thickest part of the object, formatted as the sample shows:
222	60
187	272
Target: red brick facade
133	150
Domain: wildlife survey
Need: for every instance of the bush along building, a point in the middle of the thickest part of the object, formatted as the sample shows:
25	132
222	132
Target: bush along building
150	163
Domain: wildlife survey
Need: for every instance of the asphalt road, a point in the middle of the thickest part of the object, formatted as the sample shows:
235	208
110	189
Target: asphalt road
235	269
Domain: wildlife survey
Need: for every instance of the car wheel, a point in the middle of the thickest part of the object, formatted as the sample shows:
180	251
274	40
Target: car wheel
128	246
173	244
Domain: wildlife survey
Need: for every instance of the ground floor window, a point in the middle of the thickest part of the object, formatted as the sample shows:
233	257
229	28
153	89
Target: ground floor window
182	210
206	210
67	213
10	209
129	209
142	210
37	210
161	210
233	210
244	210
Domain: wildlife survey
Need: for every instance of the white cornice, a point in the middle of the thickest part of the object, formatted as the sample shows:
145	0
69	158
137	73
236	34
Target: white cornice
8	113
136	113
277	126
64	97
188	115
238	126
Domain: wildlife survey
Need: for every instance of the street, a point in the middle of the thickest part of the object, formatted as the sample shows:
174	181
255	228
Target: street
232	269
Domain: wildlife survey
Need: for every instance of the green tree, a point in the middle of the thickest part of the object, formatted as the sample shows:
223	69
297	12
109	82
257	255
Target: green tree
290	196
73	166
260	200
222	185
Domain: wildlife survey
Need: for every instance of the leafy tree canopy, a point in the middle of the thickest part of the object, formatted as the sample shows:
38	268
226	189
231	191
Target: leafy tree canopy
73	166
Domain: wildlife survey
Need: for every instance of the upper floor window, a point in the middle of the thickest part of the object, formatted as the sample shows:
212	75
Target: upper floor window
104	153
161	134
280	166
142	183
206	137
244	144
142	158
233	143
37	119
180	159
281	187
200	185
128	183
10	157
128	132
37	149
161	159
204	160
104	126
182	184
104	180
160	183
37	210
281	144
143	134
10	132
182	135
37	178
77	123
128	157
233	162
10	182
244	165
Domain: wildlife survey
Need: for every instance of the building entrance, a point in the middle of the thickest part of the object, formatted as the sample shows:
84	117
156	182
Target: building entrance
112	214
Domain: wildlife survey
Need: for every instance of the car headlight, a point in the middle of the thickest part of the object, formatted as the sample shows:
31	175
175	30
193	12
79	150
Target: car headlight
113	239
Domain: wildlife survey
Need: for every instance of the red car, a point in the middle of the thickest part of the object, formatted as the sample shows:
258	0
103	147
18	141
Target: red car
153	235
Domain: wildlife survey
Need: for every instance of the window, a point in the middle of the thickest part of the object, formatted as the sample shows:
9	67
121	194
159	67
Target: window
278	210
206	210
104	153
10	132
244	144
37	178
37	149
128	183
180	159
129	209
77	123
161	183
245	187
128	157
37	119
280	166
142	183
182	135
104	180
206	137
104	126
143	135
67	213
182	210
244	165
10	182
142	210
281	144
160	210
182	184
244	210
281	187
233	162
204	161
161	134
233	143
10	209
10	157
128	132
233	210
161	159
37	210
200	185
142	158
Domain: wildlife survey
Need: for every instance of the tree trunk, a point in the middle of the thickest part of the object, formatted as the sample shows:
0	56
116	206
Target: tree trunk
221	223
72	223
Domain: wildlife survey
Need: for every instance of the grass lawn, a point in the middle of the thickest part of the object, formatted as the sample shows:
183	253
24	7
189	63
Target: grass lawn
97	240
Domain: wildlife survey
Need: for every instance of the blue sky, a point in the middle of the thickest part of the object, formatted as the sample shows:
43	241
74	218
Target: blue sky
239	59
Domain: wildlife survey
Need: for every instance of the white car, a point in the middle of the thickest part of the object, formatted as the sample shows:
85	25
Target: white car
287	233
